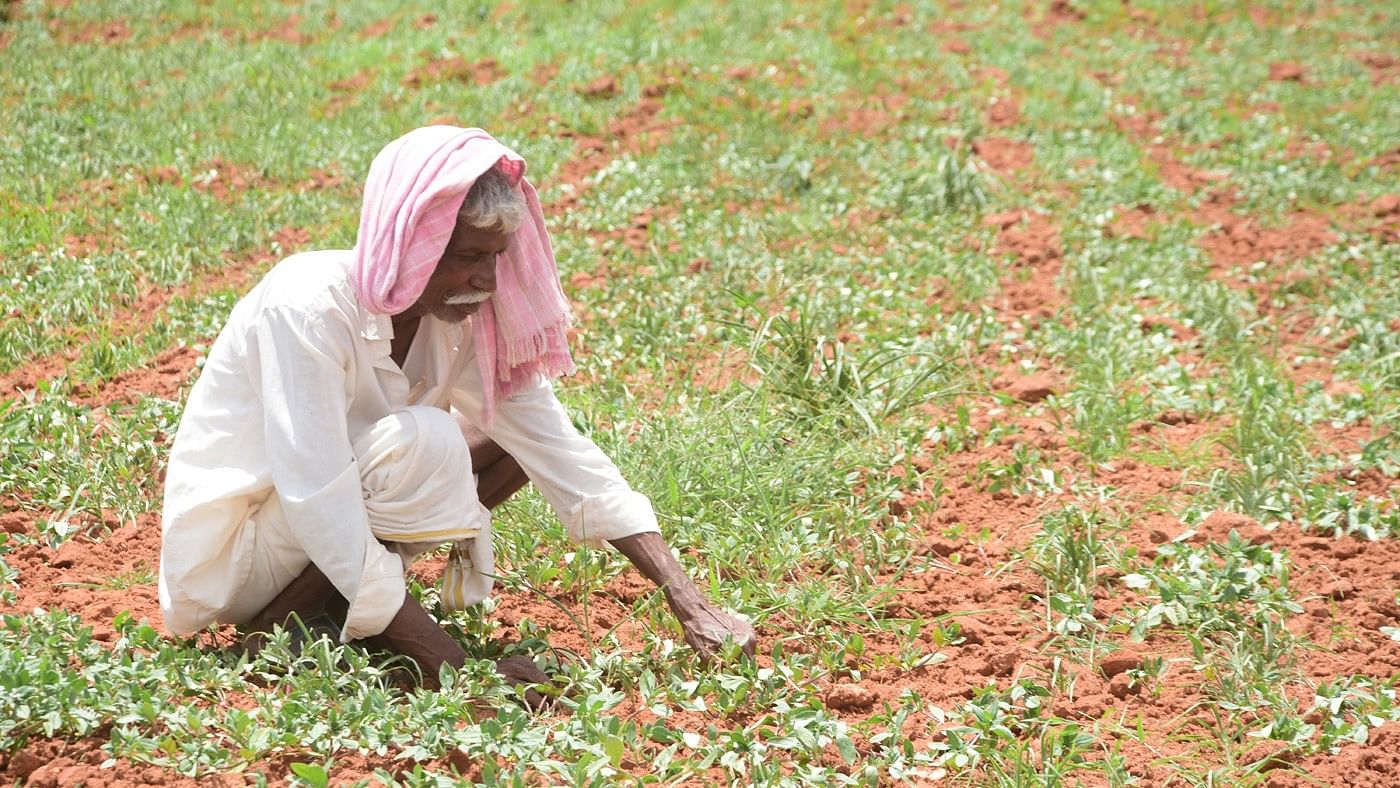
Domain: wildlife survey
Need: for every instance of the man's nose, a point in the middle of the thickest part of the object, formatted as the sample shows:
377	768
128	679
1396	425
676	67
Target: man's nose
484	278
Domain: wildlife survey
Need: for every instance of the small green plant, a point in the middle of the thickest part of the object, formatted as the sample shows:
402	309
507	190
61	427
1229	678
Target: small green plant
1233	590
953	183
819	376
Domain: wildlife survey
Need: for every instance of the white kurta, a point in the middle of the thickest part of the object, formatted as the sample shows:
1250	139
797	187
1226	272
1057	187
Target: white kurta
297	374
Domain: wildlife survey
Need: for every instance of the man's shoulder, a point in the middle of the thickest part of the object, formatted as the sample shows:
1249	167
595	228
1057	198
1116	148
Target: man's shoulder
306	278
312	283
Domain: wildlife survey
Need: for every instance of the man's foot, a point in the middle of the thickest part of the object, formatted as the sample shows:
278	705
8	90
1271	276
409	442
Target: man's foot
308	595
300	633
414	634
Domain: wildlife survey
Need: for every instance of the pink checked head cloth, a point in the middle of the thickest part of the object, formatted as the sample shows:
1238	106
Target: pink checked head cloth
415	187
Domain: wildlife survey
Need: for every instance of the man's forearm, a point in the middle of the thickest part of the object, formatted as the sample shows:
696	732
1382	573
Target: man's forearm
652	556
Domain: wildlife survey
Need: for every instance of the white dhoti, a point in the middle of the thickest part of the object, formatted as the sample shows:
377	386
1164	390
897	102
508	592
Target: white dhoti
419	493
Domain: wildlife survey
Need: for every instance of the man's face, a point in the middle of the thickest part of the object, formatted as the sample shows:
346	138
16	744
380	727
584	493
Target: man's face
466	274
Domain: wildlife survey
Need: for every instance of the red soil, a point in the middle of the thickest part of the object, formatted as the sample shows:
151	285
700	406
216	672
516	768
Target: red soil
1136	222
287	31
1004	155
226	180
1029	287
601	88
1003	112
1056	13
63	578
1376	765
544	73
1287	72
55	763
377	29
102	33
867	114
638	130
1384	68
1177	174
1235	239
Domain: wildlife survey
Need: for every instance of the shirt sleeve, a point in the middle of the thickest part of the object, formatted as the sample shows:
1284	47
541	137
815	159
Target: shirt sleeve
578	480
302	374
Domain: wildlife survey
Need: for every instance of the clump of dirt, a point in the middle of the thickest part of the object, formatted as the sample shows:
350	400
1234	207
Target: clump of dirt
1179	175
849	697
87	244
717	370
1287	72
321	178
1003	112
1384	213
1062	11
1057	13
1386	205
225	180
1027	236
544	73
55	763
603	87
1029	288
1004	155
354	83
1033	388
442	69
1140	123
1136	222
1384	68
288	31
637	233
378	29
1375	764
348	91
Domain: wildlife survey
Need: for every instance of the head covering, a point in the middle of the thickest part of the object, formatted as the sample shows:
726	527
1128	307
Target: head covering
415	187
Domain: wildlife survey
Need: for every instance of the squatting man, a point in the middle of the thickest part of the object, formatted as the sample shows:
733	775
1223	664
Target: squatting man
361	408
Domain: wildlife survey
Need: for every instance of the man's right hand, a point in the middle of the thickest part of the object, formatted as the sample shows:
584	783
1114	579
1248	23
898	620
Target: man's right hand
706	628
520	669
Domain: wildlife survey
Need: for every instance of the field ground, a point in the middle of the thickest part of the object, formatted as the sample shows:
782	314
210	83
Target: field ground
1028	374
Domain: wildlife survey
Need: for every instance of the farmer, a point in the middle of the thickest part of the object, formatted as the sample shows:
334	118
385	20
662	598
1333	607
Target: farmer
363	407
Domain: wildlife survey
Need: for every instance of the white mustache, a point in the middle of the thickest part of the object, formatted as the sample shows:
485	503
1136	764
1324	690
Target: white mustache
462	299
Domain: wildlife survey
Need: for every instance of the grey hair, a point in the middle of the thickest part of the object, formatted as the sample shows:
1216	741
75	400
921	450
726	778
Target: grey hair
493	203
